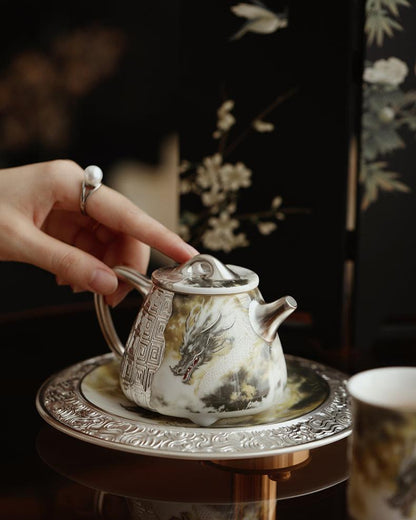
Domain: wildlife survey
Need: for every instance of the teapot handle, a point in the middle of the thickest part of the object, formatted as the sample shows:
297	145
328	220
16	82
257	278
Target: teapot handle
139	282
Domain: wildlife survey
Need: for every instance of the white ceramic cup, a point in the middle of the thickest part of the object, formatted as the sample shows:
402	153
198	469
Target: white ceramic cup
382	455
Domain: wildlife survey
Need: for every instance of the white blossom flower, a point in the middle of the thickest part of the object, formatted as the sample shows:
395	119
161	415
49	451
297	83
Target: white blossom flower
387	72
224	222
225	119
386	114
184	166
217	240
277	202
266	228
220	236
185	186
235	176
226	122
262	126
213	197
259	18
208	172
216	177
227	106
240	240
232	208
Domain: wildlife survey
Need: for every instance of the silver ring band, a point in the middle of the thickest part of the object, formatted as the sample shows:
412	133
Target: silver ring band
91	182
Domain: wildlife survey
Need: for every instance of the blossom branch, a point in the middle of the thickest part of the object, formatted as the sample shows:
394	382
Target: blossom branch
278	101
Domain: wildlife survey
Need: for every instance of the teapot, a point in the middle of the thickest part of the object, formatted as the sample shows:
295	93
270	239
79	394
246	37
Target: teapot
204	345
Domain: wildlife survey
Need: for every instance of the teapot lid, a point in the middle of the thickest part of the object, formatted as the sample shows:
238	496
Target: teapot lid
204	274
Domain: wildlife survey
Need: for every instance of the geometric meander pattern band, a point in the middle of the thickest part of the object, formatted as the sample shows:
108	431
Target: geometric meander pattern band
146	346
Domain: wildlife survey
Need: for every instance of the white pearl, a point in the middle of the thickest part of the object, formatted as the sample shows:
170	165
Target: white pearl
93	175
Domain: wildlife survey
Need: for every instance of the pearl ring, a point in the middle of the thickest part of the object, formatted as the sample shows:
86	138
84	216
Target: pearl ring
93	176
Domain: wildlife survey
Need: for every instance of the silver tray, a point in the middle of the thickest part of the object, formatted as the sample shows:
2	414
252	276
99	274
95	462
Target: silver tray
85	402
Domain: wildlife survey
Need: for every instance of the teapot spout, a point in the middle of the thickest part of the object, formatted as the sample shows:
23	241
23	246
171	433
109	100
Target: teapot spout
266	317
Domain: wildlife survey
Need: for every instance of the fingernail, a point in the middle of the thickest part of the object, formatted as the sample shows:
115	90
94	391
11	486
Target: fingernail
103	282
192	250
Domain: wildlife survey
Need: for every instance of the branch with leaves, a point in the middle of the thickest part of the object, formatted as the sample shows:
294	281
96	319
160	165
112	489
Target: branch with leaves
386	110
382	19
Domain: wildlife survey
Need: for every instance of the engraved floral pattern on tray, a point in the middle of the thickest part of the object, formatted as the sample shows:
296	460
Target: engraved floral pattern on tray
61	403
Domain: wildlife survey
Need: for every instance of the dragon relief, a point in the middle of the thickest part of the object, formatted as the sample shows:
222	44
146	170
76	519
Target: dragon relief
203	337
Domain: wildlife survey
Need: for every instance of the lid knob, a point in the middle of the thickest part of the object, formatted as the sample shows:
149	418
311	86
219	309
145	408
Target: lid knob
204	274
207	267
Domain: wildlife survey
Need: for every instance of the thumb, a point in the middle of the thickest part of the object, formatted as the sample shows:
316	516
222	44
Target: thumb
78	268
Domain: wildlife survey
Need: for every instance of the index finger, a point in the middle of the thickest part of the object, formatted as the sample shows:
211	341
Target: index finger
117	212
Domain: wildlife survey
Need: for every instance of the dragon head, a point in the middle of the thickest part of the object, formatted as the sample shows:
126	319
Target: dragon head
203	337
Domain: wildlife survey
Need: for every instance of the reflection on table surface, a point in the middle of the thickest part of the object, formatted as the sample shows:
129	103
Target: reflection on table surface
120	485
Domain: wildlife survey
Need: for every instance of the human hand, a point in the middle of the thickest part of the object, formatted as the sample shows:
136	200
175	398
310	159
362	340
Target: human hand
41	224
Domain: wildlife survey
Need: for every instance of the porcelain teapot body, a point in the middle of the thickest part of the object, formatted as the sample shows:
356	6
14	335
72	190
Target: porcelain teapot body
204	344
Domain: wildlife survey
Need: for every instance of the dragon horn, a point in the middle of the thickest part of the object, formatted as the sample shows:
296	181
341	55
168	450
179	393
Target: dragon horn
212	325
